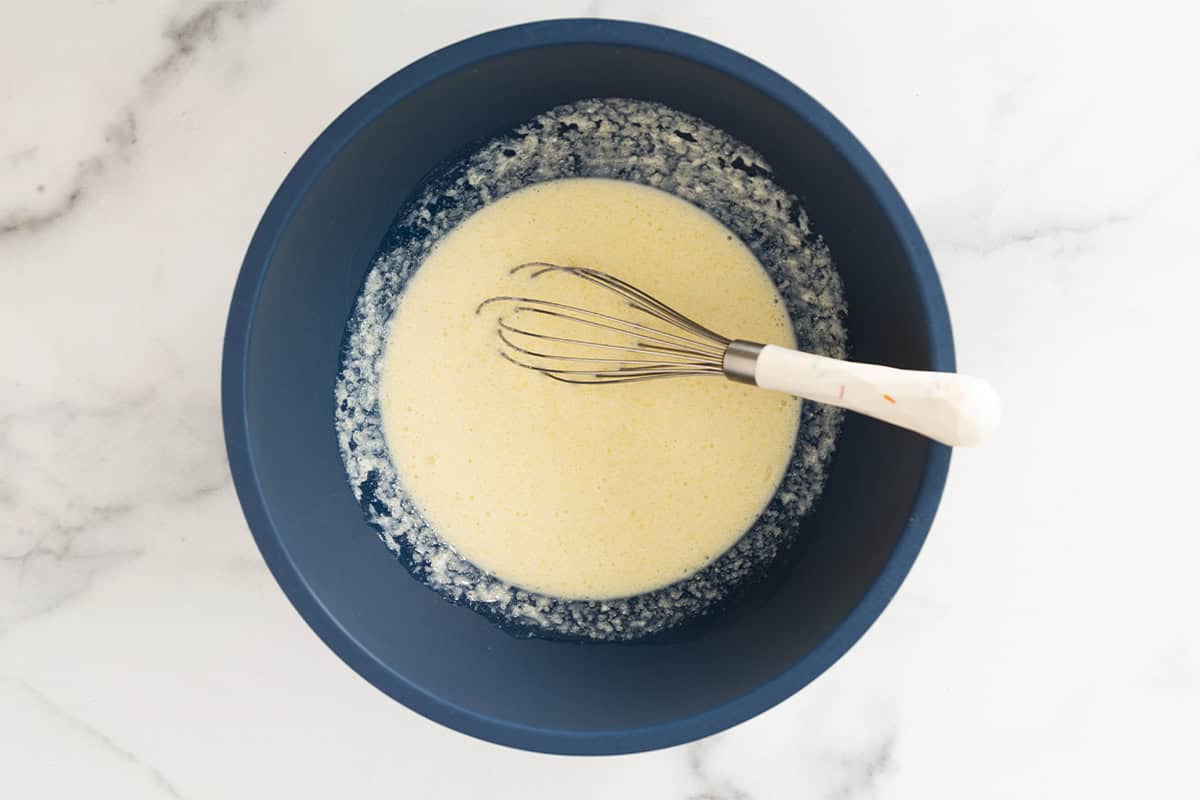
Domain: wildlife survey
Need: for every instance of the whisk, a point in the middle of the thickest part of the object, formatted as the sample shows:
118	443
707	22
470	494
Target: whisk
582	346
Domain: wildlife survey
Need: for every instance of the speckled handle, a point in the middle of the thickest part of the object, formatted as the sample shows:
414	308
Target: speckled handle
953	409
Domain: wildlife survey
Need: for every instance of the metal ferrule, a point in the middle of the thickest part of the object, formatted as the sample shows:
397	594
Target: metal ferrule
740	360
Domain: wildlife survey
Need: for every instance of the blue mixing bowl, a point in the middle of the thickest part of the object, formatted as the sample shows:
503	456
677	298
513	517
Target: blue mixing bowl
304	268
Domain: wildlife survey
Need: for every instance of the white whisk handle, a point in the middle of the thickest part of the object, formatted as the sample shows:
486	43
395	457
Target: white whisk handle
948	407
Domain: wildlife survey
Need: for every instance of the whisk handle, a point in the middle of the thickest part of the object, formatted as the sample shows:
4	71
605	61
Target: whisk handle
948	407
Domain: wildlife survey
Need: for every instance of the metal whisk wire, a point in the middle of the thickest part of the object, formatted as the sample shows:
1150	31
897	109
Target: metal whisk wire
686	348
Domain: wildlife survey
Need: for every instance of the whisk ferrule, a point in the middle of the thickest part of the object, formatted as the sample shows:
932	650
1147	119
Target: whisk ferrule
740	360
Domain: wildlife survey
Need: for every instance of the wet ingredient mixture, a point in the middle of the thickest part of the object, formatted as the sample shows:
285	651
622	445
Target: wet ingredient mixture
583	491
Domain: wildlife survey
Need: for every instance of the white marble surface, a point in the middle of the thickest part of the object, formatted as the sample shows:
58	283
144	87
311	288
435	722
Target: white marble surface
1046	643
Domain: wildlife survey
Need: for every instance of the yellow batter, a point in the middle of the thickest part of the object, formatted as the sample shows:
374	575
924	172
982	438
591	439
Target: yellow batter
583	491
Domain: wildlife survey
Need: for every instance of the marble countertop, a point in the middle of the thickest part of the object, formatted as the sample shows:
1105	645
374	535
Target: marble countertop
1046	643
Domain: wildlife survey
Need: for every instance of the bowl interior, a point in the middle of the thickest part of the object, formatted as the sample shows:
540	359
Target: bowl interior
313	251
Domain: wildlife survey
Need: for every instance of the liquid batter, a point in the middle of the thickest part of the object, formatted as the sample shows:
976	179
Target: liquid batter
587	492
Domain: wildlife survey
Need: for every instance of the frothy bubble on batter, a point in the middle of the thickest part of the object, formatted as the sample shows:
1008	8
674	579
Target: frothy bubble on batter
631	140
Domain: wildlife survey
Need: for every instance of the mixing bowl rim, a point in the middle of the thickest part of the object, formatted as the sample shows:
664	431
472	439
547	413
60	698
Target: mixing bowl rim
261	250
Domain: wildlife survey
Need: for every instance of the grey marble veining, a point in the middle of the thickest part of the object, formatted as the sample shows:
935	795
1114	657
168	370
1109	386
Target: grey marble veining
1044	644
186	36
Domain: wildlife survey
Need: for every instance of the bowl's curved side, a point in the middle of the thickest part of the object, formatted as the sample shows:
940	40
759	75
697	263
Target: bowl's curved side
240	326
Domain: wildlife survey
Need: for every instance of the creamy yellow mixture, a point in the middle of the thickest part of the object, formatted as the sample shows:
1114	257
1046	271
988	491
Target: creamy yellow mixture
583	491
